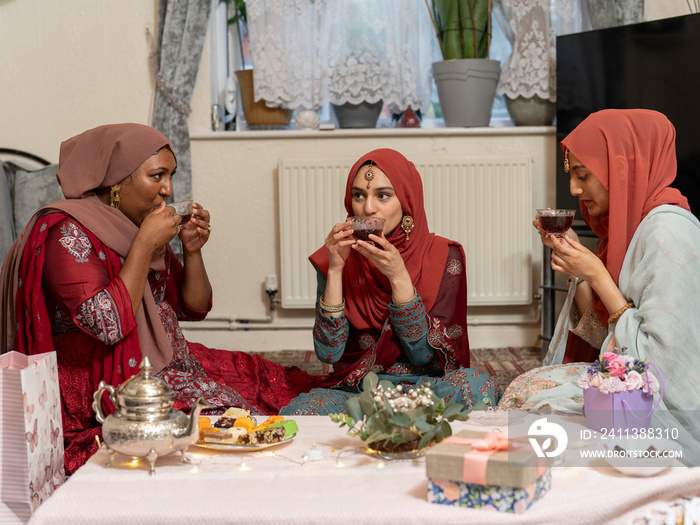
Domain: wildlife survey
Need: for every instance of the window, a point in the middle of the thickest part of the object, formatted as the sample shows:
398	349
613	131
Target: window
229	53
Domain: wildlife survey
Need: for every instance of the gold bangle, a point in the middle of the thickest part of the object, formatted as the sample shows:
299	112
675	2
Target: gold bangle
399	305
331	308
614	317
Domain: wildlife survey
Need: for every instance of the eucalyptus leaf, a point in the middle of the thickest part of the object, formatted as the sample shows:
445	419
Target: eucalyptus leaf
401	419
369	382
426	438
353	408
452	410
367	403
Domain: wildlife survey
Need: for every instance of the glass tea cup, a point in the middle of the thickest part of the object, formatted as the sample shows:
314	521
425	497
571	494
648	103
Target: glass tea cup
556	222
183	209
364	226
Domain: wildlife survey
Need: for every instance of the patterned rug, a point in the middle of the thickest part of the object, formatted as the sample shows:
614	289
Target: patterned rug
502	364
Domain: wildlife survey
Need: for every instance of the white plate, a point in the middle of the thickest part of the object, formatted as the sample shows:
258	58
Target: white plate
235	447
636	464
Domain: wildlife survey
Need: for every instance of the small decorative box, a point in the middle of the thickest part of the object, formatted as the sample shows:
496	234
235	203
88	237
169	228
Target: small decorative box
486	470
489	497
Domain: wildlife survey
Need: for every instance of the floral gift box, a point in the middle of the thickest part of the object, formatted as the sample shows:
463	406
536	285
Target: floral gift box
486	471
618	393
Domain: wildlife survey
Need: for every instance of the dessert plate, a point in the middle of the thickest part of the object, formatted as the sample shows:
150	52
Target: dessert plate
235	447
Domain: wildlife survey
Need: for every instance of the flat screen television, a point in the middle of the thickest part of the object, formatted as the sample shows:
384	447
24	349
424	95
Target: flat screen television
652	65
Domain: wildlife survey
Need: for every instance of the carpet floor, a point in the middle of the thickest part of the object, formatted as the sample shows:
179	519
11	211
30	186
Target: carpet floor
502	364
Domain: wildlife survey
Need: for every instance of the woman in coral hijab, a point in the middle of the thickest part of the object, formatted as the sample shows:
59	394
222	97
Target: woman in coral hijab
640	290
94	278
394	304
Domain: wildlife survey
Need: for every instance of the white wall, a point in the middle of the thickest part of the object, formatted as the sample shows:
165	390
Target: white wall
67	66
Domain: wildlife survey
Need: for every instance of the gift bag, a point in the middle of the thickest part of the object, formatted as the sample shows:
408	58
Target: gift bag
31	435
620	413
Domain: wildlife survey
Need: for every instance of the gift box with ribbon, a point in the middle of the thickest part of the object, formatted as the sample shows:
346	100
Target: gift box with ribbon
486	470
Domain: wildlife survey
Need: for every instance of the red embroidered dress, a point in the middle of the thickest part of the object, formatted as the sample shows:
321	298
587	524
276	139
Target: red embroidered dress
88	311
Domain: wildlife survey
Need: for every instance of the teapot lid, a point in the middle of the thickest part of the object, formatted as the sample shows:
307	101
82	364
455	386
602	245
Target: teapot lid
144	386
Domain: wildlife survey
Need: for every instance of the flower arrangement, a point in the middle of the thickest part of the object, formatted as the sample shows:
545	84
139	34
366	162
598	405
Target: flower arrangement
618	372
392	420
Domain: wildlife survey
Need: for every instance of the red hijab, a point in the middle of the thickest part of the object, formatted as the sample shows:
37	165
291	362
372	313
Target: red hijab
632	152
367	290
97	158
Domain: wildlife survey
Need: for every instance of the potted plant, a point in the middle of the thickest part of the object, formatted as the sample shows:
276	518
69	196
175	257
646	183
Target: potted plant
258	115
396	423
466	78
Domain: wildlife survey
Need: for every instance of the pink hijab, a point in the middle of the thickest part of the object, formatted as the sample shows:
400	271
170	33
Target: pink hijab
97	158
632	152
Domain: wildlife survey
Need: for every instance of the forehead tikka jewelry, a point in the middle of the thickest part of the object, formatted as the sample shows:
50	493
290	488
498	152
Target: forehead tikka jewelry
566	161
369	174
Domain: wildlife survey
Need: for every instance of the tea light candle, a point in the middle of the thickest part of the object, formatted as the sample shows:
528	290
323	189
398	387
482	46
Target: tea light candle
313	454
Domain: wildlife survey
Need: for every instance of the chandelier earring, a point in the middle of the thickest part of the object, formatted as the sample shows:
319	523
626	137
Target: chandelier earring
369	174
566	161
407	225
114	199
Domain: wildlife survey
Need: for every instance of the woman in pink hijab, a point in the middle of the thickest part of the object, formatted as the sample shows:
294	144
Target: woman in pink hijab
94	278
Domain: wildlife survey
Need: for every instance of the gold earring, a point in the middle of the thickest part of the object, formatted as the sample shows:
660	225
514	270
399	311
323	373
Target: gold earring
566	161
369	174
407	225
114	199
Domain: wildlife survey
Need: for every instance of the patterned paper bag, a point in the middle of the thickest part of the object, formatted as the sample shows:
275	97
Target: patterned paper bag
31	436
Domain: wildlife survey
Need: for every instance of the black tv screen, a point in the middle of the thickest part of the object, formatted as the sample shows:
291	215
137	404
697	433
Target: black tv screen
651	65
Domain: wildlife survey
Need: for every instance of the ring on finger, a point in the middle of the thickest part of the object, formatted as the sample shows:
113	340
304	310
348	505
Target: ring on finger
209	227
567	249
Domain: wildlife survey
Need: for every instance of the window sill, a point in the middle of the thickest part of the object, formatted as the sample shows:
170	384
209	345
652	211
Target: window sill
428	129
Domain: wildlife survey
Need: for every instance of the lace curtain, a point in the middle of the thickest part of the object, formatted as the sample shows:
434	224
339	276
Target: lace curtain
530	69
182	27
309	52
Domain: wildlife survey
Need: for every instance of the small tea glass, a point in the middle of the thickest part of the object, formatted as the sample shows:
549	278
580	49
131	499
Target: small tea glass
364	226
556	222
183	209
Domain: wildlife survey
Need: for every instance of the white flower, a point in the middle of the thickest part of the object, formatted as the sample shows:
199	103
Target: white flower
653	385
610	385
634	380
596	380
584	381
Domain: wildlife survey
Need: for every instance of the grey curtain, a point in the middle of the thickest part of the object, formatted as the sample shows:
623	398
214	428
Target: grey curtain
182	28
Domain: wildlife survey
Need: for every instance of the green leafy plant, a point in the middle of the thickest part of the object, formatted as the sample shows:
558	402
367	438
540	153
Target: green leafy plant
462	27
391	420
240	18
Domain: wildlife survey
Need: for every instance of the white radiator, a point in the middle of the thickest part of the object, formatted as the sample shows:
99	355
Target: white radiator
483	203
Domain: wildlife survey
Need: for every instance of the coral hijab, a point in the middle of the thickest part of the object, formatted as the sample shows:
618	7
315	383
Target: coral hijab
367	290
632	152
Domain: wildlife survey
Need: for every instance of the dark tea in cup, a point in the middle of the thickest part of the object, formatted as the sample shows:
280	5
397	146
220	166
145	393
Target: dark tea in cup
183	209
556	222
363	227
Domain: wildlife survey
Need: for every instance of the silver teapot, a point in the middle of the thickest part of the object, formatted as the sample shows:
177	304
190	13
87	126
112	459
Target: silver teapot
145	423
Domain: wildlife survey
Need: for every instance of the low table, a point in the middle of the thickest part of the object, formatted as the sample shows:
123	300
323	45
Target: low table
345	486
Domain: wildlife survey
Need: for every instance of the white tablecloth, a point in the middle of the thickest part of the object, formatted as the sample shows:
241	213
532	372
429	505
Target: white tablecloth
345	486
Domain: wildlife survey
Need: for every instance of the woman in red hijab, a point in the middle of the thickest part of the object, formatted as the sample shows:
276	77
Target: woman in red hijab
640	291
621	164
94	278
394	304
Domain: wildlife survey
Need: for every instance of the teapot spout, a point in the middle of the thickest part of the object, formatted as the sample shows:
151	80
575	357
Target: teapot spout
190	434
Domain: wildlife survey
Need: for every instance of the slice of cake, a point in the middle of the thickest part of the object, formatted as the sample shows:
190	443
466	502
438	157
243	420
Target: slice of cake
228	436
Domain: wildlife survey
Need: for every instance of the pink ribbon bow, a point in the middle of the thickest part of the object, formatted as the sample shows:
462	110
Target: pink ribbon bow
476	459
